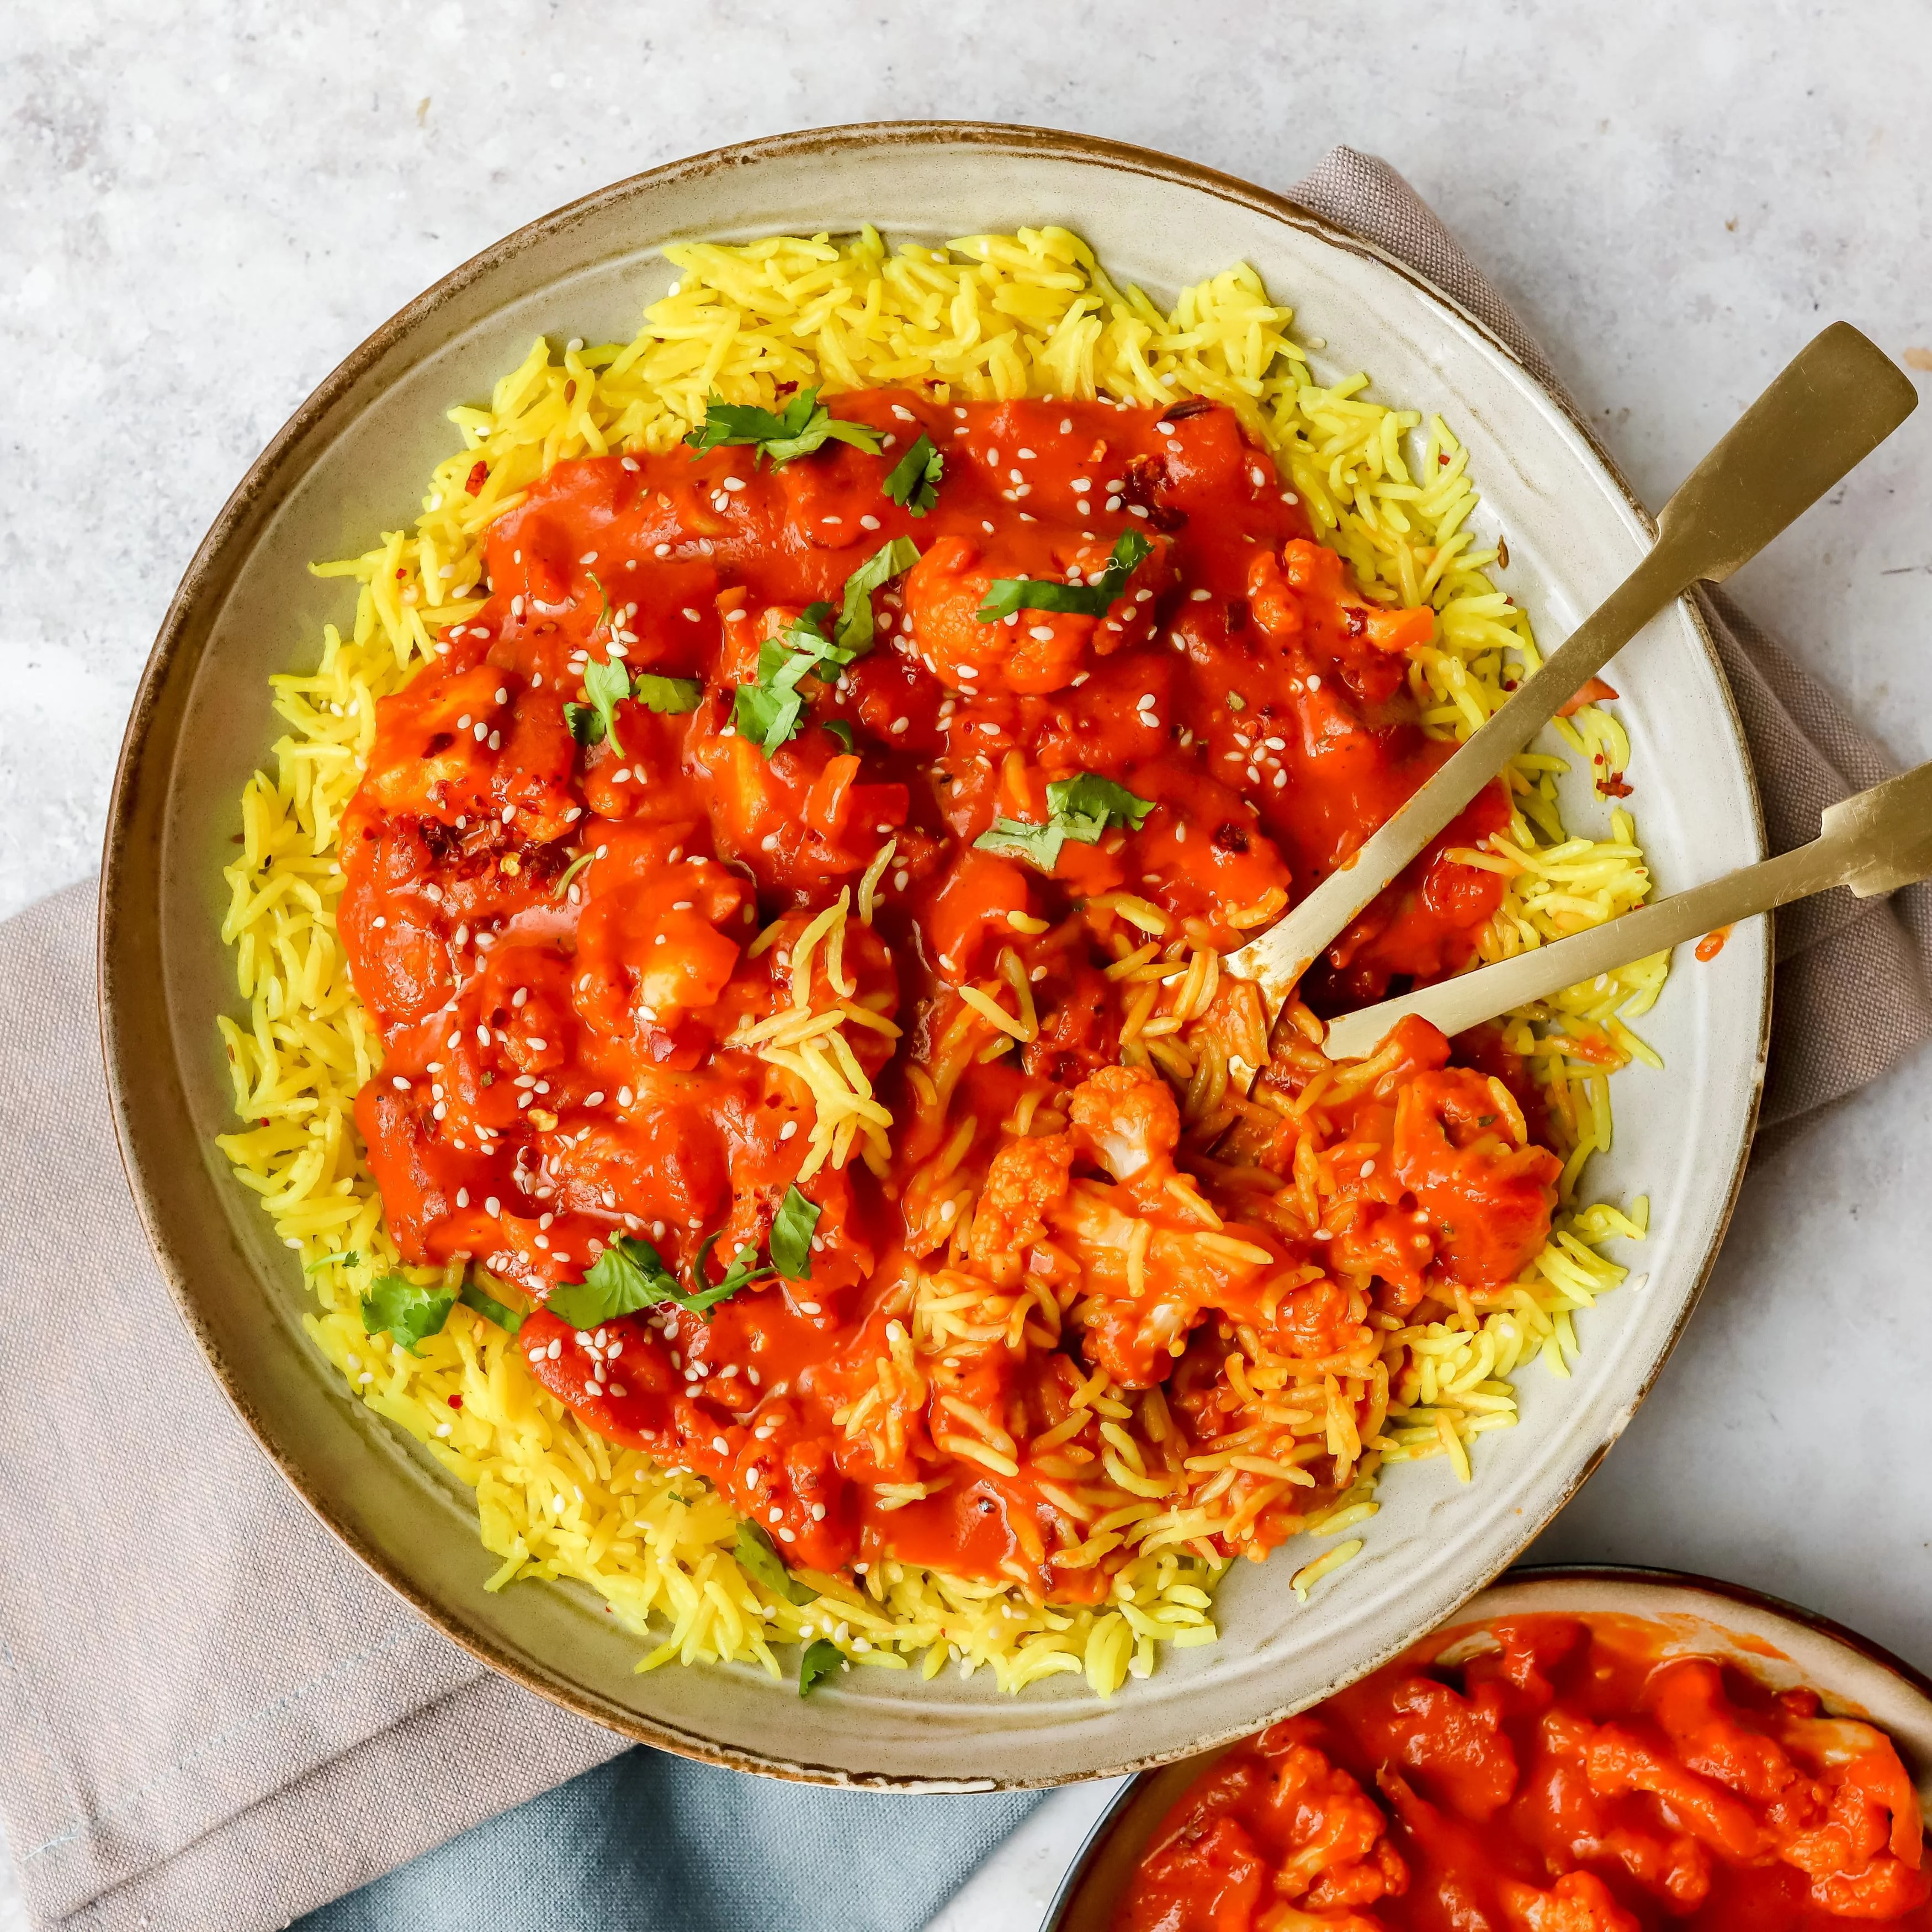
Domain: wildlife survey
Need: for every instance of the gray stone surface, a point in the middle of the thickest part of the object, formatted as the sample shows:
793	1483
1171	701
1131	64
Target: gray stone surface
207	206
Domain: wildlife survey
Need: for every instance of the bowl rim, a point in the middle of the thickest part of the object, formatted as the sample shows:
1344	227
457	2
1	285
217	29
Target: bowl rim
1624	1576
214	567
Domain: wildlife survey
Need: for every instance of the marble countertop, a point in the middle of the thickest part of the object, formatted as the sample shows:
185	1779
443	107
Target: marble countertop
210	205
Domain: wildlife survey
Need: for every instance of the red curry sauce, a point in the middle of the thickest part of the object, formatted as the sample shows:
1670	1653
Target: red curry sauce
1571	1777
555	1073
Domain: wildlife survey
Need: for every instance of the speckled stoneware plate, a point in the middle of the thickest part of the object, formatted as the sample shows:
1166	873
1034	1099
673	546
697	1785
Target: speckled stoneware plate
350	463
1777	1643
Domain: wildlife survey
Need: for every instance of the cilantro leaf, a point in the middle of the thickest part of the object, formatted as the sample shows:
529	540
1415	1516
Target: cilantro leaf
1039	845
491	1309
768	712
738	1275
407	1311
855	628
841	731
1006	594
1087	795
631	1274
351	1259
606	686
791	1244
674	694
914	480
570	871
803	425
1082	807
758	1556
821	1657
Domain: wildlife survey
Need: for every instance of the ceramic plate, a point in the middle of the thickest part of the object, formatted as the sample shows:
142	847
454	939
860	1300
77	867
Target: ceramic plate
1777	1643
350	463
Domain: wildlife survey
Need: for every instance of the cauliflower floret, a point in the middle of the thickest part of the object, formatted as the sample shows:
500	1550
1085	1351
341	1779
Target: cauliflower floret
1579	1902
1026	1181
1126	1115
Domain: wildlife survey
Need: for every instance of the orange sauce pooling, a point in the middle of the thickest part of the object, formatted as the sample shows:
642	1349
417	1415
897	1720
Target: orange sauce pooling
556	942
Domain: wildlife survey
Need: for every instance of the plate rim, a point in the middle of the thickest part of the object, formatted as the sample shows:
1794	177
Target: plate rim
214	566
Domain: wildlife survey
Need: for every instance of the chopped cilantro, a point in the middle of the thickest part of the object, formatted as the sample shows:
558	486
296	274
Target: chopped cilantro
768	712
1039	845
491	1309
915	479
674	694
407	1311
606	686
1082	807
758	1556
855	628
1087	795
841	730
821	1657
802	426
791	1245
631	1274
739	1274
1006	594
570	871
351	1259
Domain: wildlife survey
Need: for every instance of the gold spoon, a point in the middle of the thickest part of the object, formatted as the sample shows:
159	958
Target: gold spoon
1875	842
1836	402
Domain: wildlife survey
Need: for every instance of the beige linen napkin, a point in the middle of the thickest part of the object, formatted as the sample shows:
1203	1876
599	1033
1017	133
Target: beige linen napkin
209	1714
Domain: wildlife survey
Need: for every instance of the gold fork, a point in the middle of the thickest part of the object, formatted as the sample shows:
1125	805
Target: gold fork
1835	402
1874	842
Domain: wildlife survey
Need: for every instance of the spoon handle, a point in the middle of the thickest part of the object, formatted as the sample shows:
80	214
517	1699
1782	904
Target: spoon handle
1874	842
1834	403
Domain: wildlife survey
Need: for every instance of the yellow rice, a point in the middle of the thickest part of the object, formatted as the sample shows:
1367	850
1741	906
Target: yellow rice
988	316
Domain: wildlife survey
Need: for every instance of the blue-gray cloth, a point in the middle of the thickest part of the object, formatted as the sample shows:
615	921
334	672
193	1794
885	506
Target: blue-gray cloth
648	1843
